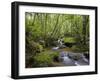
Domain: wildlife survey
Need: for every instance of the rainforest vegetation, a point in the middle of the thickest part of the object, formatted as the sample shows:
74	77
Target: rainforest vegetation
48	36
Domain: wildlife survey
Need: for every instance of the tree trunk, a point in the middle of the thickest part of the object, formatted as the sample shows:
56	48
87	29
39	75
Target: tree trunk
55	26
84	29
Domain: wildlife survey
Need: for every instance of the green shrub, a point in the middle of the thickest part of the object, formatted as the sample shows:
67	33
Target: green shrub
42	60
39	47
80	48
33	47
55	56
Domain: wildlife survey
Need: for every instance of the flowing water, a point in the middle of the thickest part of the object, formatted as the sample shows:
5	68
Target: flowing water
70	61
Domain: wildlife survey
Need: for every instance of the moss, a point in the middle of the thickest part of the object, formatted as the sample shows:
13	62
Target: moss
69	39
80	48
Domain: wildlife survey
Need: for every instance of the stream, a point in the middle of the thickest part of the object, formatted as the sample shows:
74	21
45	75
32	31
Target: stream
68	59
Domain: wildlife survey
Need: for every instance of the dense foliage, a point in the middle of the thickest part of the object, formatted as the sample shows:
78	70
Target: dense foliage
44	29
